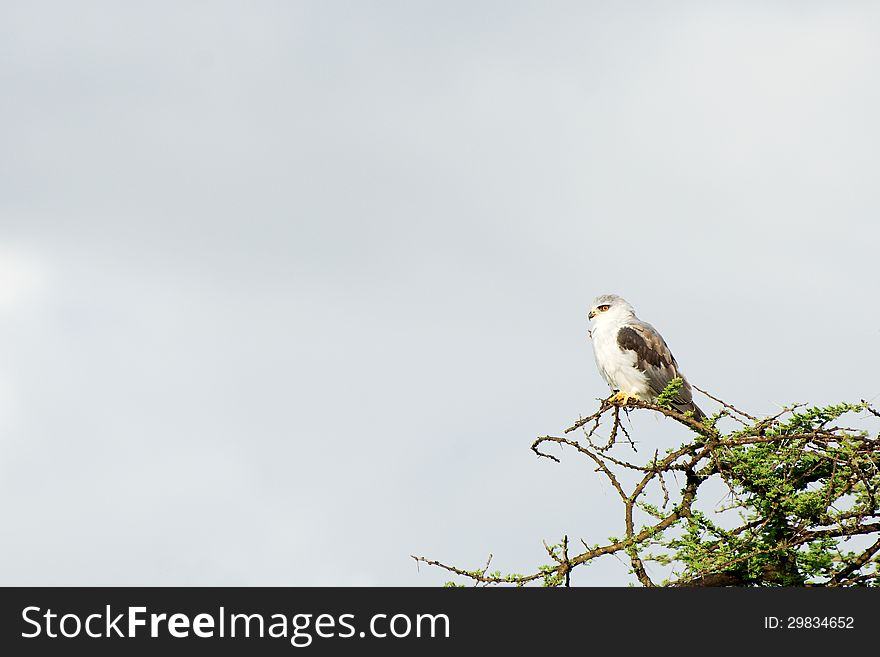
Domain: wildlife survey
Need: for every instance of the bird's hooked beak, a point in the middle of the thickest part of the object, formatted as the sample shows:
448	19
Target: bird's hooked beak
592	314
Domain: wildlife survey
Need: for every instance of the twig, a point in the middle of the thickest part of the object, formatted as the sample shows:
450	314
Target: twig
725	404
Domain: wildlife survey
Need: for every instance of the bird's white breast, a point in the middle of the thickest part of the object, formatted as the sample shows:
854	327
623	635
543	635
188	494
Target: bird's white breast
617	367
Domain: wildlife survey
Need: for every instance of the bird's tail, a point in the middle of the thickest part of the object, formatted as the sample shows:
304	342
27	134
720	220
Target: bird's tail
699	415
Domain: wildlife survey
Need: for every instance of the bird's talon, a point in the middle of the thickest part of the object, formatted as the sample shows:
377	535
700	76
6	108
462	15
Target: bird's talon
623	398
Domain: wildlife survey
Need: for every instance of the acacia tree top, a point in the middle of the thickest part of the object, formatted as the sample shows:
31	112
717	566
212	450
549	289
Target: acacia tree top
802	489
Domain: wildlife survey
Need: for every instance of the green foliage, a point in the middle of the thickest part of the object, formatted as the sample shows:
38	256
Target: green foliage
787	490
670	392
551	576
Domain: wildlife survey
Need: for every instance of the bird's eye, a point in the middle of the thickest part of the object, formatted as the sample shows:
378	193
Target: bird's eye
604	308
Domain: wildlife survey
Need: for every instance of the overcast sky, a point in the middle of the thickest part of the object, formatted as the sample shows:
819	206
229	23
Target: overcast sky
287	289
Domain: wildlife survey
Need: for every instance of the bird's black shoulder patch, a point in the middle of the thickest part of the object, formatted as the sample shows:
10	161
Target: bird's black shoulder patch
646	352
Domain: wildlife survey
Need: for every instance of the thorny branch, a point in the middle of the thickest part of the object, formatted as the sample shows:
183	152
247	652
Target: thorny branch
799	484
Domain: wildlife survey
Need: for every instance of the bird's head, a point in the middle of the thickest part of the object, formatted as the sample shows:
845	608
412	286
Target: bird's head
610	305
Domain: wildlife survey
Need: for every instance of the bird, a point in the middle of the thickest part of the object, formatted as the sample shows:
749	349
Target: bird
633	357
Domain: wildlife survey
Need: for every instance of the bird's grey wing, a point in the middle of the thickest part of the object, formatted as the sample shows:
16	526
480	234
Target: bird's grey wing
655	359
